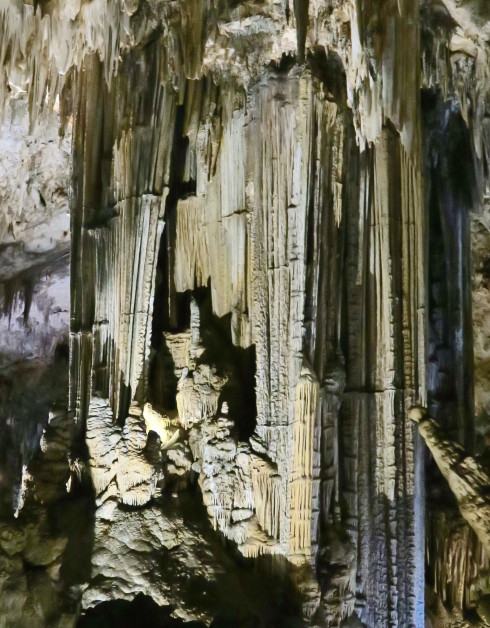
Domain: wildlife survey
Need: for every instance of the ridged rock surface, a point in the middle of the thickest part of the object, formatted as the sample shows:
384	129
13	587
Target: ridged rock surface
277	221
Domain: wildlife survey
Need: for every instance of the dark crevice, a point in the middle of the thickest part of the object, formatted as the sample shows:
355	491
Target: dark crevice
450	195
301	14
451	181
248	593
165	307
329	69
171	310
142	611
236	362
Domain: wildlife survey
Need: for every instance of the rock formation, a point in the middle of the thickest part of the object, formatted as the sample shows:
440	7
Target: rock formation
468	478
240	240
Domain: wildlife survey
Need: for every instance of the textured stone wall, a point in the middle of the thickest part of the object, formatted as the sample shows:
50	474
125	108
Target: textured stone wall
271	248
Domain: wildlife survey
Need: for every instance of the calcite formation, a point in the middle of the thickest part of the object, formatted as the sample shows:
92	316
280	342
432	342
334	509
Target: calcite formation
467	477
239	242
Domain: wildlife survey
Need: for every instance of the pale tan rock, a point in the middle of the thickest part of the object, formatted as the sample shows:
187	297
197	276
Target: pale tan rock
468	479
298	203
136	477
163	425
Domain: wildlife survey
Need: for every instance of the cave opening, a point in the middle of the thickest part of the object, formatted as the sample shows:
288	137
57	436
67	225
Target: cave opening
142	611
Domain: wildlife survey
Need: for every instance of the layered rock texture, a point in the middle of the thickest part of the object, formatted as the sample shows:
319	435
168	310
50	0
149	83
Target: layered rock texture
239	242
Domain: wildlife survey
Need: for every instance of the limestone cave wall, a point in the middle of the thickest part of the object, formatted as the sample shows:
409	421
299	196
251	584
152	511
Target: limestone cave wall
240	241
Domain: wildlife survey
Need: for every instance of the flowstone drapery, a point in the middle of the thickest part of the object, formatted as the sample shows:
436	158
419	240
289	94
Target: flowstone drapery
269	265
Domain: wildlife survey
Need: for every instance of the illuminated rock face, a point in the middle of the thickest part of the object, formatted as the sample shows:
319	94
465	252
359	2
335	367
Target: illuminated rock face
270	242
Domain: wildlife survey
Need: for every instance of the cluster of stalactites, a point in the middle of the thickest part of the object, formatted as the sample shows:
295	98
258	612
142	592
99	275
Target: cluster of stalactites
455	60
40	43
302	479
38	49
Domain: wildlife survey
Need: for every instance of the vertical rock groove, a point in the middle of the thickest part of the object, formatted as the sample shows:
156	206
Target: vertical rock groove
278	255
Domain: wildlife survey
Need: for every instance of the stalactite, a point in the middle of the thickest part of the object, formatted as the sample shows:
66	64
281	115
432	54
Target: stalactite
457	561
302	479
126	220
247	194
267	496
